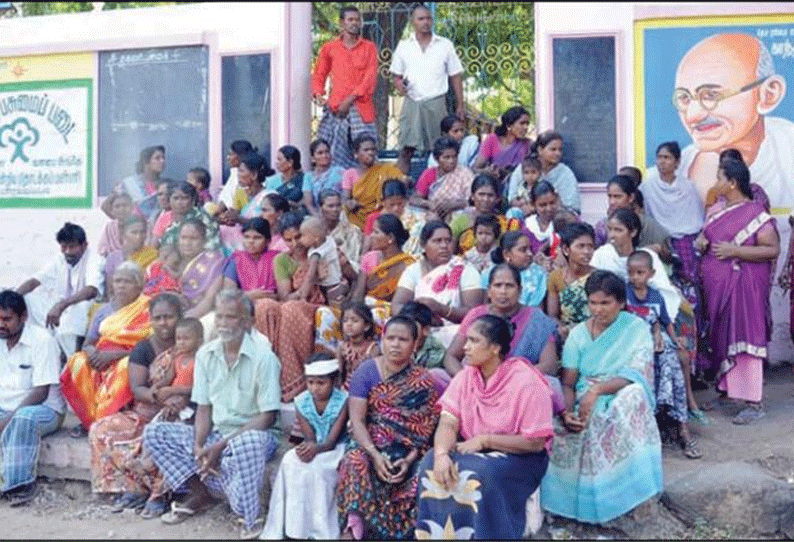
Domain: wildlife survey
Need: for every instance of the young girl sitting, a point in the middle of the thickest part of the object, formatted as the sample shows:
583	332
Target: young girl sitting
120	210
514	250
520	202
360	339
487	231
540	226
671	394
200	179
302	504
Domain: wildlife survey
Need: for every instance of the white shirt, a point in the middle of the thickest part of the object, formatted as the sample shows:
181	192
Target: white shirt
329	255
226	195
34	361
427	71
61	280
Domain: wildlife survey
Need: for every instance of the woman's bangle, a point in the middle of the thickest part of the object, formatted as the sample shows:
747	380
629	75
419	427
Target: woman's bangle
437	452
449	311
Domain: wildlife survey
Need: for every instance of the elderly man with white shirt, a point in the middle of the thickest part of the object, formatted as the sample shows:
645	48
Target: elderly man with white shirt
423	65
31	405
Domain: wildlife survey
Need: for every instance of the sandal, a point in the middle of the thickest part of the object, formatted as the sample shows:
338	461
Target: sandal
129	500
23	494
691	449
697	415
178	514
749	415
254	532
153	509
78	431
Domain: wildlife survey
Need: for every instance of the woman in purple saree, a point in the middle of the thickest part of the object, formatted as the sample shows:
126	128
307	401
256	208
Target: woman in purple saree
506	148
738	244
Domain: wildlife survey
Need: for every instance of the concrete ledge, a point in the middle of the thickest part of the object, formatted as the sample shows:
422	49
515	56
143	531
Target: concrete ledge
66	458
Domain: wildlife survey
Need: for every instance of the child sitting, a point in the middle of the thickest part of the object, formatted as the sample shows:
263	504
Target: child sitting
540	225
302	503
120	210
162	275
487	231
171	383
359	339
521	205
671	393
430	353
176	379
322	248
200	179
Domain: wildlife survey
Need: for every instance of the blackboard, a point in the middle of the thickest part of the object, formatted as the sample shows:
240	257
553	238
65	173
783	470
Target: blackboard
584	105
245	94
152	97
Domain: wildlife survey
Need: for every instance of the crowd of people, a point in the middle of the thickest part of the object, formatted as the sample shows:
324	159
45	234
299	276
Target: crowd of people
461	352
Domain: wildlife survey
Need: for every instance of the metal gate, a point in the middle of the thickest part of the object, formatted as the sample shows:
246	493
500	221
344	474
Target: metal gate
495	42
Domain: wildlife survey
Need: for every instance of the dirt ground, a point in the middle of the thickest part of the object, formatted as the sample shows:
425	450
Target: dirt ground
68	509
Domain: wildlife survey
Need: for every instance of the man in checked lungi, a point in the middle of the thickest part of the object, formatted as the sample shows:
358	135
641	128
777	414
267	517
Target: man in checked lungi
423	66
31	405
352	63
237	393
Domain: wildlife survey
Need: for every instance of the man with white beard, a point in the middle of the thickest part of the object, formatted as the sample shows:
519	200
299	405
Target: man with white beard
237	393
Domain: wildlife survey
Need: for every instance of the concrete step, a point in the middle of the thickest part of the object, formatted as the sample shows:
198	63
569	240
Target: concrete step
66	458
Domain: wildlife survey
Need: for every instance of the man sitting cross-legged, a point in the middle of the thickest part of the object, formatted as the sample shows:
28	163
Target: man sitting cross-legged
236	390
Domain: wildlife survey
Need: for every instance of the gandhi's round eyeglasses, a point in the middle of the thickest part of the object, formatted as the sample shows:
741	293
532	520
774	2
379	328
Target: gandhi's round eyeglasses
709	96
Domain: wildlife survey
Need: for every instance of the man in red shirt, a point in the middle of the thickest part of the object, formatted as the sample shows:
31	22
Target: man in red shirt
352	63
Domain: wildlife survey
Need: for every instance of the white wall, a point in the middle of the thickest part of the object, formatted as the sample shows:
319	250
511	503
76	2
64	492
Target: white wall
587	18
27	237
600	17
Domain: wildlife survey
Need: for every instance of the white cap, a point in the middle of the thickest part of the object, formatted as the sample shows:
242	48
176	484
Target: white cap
322	367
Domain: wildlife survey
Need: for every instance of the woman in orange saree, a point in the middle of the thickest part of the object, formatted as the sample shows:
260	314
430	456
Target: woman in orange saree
95	380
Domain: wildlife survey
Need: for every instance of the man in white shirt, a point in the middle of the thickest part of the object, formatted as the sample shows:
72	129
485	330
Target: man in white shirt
68	284
31	405
423	65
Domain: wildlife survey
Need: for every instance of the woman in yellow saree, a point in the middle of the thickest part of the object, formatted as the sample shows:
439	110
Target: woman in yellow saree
95	380
381	269
361	185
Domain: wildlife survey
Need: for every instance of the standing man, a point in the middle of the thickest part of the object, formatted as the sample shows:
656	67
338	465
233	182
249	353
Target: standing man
423	66
31	405
349	112
237	393
68	284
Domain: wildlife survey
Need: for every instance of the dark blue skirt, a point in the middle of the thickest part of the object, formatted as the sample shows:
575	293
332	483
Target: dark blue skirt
489	500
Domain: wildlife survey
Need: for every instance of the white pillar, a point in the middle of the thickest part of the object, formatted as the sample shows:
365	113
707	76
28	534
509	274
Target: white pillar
298	58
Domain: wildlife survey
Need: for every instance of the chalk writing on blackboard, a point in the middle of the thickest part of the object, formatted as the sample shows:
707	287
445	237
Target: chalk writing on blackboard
584	105
154	96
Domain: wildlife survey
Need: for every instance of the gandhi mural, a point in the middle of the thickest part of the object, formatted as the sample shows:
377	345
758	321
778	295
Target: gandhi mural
725	89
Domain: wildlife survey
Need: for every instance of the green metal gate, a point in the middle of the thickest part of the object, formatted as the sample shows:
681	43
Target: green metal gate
495	42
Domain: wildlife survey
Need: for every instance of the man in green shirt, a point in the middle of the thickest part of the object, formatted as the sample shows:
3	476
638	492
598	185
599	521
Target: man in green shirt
237	393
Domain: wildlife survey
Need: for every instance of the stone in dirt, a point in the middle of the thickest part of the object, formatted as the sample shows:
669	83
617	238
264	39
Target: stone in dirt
734	493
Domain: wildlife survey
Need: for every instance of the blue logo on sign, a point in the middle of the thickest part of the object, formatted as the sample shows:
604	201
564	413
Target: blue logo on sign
18	134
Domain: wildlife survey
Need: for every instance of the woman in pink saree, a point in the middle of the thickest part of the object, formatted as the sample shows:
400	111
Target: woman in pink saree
739	243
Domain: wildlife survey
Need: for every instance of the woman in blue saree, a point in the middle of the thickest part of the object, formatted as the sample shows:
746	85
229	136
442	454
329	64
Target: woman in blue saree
606	458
